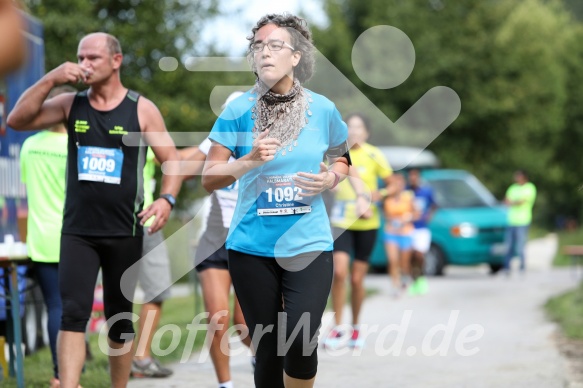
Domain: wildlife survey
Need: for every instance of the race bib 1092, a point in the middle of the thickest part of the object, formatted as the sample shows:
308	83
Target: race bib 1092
277	196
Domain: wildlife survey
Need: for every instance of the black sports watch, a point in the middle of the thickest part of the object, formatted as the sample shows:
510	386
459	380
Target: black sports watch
170	198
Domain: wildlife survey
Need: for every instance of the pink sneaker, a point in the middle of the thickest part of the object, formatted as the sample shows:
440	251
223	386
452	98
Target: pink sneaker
355	341
334	339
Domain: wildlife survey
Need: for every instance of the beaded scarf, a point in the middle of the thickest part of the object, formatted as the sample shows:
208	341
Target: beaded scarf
283	114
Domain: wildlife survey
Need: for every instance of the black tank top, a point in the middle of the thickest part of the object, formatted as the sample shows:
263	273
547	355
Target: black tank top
98	208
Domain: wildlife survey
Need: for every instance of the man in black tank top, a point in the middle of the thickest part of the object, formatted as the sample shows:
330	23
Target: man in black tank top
103	217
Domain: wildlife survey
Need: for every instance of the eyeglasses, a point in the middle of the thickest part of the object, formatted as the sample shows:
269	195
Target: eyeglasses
272	45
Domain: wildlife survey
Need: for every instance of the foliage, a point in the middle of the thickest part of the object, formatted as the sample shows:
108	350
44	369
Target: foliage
519	106
514	64
568	189
148	31
567	310
568	237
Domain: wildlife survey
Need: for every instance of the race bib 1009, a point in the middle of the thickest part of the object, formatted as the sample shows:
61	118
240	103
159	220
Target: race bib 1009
277	196
98	164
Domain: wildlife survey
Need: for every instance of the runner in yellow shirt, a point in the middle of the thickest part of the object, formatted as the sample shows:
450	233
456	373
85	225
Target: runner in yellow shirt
354	225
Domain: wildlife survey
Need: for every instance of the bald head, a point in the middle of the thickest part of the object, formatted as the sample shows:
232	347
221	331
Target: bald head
108	40
99	55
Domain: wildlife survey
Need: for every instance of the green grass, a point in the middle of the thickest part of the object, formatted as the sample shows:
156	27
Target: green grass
38	369
177	314
567	310
177	311
180	243
536	232
567	237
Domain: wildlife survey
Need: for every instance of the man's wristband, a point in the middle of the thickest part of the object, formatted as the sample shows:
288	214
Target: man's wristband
336	178
170	198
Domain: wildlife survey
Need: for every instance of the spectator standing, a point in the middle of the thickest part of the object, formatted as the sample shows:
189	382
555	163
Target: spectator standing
43	165
356	220
519	198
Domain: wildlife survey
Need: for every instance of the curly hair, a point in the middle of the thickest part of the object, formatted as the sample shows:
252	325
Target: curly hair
301	38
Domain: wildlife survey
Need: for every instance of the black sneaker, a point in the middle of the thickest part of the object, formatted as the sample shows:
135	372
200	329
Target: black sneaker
150	369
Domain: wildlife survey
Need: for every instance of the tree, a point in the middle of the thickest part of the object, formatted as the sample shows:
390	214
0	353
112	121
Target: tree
566	162
148	31
496	55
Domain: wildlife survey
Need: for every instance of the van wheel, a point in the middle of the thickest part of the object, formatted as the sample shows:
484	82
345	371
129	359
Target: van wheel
434	261
494	268
376	269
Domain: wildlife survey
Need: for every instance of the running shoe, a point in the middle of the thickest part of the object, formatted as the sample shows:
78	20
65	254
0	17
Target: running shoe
356	341
152	368
422	285
334	339
413	289
395	291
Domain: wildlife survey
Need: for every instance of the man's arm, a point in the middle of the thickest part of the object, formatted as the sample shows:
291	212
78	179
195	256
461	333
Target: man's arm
34	111
515	201
157	137
191	162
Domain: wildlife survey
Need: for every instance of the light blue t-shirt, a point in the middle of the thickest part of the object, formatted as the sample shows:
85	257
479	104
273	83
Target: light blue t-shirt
262	224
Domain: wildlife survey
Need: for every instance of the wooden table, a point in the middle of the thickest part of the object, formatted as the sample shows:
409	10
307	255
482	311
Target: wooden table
13	307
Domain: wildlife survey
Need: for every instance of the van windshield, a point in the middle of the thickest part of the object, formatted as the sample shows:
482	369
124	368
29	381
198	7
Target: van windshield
460	193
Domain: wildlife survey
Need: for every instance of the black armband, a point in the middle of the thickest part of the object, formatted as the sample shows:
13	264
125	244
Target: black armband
340	151
347	156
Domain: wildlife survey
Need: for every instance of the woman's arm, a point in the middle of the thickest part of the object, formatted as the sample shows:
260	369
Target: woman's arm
327	178
191	162
218	172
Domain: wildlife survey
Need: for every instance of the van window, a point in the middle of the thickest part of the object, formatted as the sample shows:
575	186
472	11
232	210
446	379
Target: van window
409	157
461	193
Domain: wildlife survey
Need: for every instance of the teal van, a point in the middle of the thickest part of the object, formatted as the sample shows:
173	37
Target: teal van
469	225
